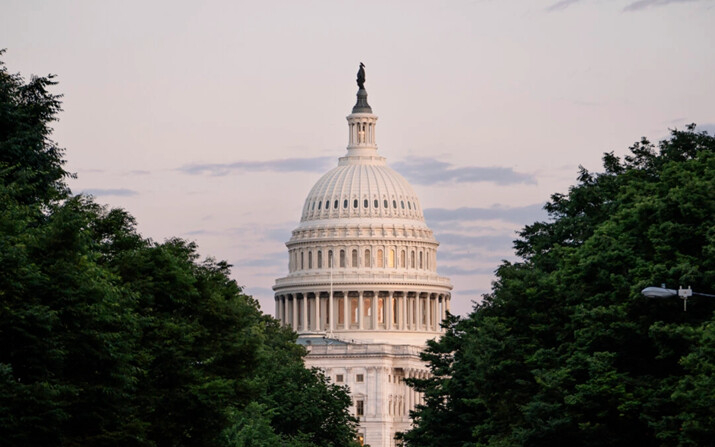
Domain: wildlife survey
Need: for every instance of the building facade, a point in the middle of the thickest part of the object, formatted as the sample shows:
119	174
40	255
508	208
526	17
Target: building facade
362	289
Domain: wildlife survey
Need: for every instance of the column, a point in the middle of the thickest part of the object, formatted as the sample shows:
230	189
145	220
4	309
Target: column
316	323
410	396
418	302
295	312
444	307
278	308
284	309
403	312
388	312
346	311
360	310
429	312
305	312
331	314
378	392
373	304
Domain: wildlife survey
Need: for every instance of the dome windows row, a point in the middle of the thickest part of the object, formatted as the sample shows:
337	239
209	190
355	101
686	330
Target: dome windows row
309	259
321	206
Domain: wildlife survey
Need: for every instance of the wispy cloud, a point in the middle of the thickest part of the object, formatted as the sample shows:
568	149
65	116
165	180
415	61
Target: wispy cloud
520	214
314	164
709	128
643	4
457	271
490	242
110	192
634	6
563	4
430	171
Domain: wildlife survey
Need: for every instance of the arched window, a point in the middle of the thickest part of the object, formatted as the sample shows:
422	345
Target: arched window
420	259
364	203
402	259
408	205
402	203
384	203
394	204
310	259
376	204
327	204
354	259
319	205
412	259
301	261
335	205
391	259
355	203
345	203
330	258
313	207
320	259
342	258
380	258
367	262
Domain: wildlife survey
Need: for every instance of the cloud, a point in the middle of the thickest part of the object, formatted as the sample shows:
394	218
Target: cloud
497	242
430	171
563	4
635	6
314	164
519	215
643	4
457	271
709	128
266	260
110	192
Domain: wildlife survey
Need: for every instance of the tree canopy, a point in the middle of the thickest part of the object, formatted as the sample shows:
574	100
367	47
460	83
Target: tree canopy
112	339
565	350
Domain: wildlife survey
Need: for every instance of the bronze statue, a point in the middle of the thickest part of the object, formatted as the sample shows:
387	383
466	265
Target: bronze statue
361	76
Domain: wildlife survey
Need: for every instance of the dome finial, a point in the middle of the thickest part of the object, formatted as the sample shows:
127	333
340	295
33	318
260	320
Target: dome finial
361	76
361	106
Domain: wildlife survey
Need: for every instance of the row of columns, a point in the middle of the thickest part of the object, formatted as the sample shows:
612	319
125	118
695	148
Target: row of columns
360	310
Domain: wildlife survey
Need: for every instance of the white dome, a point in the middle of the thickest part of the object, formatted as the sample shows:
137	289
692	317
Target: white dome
362	262
361	187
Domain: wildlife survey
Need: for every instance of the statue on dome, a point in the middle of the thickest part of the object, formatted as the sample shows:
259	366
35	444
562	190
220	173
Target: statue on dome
361	76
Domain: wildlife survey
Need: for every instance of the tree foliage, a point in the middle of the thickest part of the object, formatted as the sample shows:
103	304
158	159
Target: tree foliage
565	350
112	339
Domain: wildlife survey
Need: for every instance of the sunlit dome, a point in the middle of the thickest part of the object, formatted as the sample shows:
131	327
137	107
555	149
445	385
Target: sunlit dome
362	187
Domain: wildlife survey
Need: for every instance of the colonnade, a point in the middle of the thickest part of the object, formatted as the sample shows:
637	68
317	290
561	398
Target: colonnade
362	310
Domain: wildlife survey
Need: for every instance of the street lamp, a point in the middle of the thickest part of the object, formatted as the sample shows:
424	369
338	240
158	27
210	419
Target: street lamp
662	292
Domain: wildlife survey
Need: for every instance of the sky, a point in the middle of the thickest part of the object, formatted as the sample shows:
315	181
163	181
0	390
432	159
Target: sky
211	120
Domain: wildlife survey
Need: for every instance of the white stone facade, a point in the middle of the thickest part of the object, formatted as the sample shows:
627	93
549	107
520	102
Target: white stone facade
362	289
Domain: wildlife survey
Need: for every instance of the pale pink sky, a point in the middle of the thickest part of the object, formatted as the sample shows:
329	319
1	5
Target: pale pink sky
212	120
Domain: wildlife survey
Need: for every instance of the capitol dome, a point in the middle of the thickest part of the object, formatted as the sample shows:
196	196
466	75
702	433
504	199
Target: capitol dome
364	188
362	261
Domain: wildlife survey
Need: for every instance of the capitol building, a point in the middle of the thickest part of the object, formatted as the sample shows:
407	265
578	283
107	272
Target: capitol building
362	289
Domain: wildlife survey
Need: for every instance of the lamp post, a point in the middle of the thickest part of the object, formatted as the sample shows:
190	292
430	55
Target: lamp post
684	294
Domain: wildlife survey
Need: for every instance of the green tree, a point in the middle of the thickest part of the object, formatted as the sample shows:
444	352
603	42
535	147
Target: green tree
565	351
111	339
